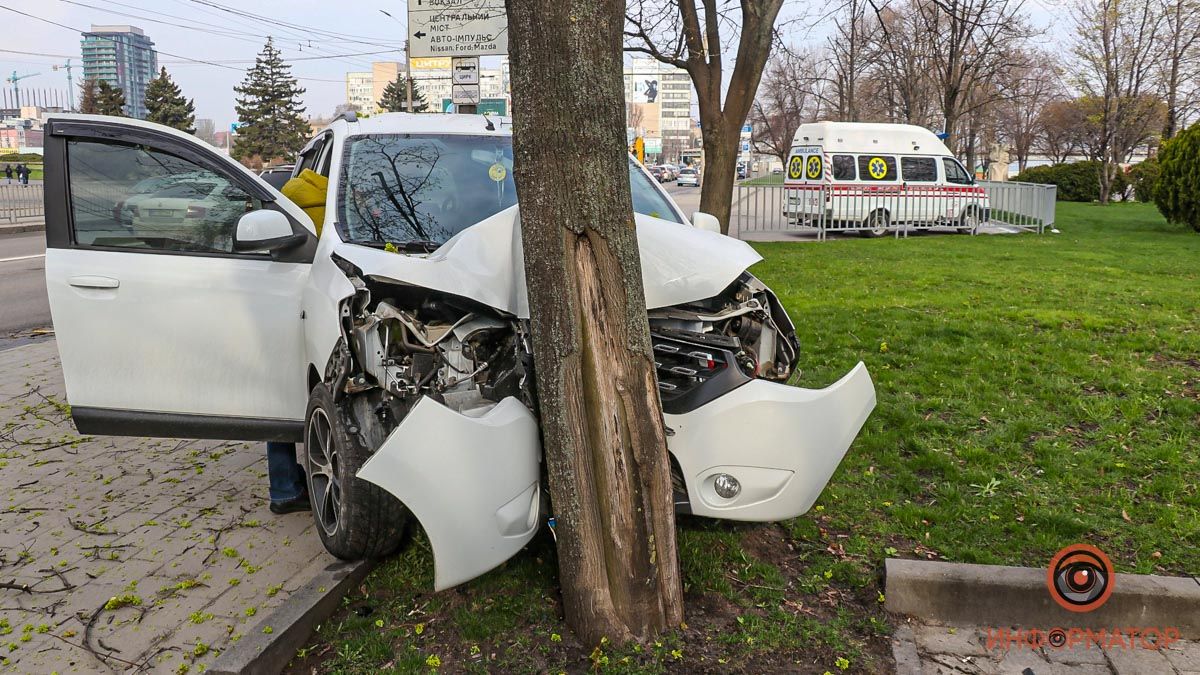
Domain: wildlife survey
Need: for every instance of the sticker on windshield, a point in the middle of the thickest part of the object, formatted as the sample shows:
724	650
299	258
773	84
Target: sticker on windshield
877	168
497	172
796	167
813	168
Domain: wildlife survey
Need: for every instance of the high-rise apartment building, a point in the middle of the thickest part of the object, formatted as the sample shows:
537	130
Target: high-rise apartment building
124	57
658	102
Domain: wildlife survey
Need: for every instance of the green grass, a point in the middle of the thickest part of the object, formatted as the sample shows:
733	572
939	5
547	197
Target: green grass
767	179
1034	392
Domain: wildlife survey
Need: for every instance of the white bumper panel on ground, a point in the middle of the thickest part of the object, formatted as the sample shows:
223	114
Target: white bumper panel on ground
781	443
472	482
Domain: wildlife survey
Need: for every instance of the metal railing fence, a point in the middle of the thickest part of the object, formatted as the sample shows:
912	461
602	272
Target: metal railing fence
890	209
21	202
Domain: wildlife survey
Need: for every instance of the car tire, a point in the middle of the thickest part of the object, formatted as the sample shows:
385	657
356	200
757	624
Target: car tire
969	222
355	519
876	224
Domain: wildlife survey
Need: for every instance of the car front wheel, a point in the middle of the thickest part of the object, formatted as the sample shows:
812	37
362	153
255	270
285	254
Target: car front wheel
355	519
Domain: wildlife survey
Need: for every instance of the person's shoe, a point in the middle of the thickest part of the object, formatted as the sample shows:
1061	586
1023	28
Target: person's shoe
291	505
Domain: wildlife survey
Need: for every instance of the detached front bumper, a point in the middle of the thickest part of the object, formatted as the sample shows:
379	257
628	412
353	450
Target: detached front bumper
781	444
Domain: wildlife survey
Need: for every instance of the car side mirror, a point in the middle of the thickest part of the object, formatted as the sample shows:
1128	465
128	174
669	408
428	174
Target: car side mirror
265	230
706	221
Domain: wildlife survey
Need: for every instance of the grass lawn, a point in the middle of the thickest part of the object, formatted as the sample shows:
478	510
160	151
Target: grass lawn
768	179
1034	392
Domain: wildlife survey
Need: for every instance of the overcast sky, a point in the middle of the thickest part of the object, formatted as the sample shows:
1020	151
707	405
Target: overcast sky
226	41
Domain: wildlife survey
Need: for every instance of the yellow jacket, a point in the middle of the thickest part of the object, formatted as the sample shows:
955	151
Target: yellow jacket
308	191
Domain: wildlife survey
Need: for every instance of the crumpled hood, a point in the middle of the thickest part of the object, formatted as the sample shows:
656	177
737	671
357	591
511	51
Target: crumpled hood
484	262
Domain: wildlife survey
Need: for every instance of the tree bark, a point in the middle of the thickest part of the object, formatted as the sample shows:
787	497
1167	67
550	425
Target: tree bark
605	445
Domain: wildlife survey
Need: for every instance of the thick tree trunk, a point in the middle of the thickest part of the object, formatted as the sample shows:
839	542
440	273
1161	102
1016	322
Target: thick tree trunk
605	445
720	171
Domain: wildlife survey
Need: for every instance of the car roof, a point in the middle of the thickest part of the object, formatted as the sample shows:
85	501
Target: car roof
426	123
865	137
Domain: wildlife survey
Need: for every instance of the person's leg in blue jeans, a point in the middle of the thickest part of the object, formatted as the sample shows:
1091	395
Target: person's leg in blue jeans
288	490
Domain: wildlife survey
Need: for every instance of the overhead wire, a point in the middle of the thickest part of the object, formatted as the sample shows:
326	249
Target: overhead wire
178	56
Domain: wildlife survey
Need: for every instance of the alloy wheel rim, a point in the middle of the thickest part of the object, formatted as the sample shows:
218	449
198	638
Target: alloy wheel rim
324	486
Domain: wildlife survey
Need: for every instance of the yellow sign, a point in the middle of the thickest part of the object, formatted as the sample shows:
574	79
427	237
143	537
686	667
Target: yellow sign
639	149
431	63
813	168
497	172
878	168
796	167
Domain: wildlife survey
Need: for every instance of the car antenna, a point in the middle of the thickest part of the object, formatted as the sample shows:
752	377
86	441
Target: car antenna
490	126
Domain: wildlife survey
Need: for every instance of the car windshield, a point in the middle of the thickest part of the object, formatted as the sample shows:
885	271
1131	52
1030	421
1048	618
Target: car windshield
402	188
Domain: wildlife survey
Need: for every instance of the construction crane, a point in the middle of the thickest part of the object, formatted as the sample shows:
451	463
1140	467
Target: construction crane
16	91
70	82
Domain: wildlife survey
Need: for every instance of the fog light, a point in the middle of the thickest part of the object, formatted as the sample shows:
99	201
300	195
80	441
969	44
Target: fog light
727	486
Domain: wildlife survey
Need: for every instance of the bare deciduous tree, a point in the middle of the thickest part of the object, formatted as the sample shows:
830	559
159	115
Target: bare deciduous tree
1181	66
1117	52
605	445
693	35
792	93
1027	90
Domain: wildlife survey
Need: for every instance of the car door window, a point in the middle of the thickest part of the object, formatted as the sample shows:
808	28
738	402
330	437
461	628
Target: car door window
918	169
132	196
955	173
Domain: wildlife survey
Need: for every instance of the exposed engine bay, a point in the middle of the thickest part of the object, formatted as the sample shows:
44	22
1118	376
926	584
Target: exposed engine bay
401	342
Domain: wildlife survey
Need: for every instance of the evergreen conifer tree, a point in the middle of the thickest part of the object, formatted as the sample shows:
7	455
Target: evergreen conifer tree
395	97
87	97
166	105
1177	191
110	100
269	108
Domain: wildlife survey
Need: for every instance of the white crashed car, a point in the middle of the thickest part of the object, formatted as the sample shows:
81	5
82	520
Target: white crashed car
396	345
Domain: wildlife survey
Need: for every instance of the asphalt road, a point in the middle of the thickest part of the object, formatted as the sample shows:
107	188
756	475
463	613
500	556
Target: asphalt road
23	303
688	198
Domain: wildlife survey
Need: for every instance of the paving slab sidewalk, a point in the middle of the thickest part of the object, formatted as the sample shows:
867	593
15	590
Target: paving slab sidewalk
178	532
958	650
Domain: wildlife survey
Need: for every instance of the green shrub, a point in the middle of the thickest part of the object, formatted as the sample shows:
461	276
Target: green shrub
1177	193
1144	178
1076	181
21	158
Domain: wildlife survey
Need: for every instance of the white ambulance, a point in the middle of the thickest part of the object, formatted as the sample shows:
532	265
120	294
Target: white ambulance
873	178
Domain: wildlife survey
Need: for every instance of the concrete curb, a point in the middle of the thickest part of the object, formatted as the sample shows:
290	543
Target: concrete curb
21	228
268	653
1000	596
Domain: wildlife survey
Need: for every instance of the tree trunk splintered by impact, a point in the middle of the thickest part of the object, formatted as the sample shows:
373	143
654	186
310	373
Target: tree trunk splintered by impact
605	445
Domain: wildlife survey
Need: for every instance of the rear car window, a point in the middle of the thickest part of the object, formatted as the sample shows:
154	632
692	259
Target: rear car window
877	168
844	167
919	169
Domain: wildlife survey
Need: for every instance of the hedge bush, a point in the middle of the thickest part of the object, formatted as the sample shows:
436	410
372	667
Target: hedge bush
1177	193
21	158
1144	177
1076	181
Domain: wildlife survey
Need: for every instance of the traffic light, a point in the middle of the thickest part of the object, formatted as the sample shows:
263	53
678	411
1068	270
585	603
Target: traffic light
639	149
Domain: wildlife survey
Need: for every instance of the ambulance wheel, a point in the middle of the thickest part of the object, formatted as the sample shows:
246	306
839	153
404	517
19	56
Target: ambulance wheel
969	222
876	224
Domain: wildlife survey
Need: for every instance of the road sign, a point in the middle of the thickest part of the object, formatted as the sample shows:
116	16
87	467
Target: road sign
465	94
746	146
747	129
440	63
465	70
653	146
457	28
487	106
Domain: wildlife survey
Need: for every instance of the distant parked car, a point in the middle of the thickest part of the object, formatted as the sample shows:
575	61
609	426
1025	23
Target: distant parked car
688	176
777	171
742	171
670	171
276	176
657	172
